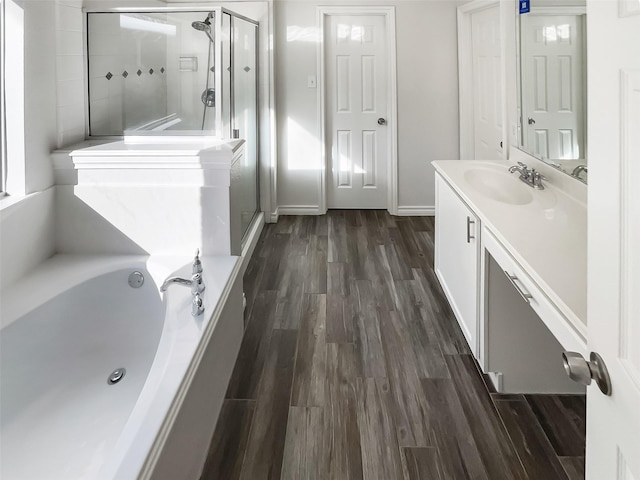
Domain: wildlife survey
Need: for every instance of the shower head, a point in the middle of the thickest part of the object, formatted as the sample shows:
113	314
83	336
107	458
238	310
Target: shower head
204	27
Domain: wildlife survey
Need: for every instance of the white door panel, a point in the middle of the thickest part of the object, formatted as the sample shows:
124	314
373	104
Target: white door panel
487	60
356	66
613	422
552	82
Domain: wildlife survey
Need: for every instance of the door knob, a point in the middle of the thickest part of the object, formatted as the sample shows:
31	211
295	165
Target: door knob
531	121
581	371
382	121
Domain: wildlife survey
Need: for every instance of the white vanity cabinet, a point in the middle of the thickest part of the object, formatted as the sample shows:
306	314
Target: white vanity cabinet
512	263
457	249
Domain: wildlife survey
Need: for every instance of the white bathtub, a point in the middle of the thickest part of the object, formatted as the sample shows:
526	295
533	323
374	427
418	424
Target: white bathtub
70	324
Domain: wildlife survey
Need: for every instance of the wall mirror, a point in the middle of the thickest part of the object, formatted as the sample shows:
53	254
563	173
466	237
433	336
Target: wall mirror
552	81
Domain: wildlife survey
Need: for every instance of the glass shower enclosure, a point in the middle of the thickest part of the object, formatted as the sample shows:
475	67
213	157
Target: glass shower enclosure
177	72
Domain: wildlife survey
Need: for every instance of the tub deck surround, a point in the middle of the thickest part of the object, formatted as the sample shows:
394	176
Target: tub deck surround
192	152
546	236
209	149
153	195
158	153
137	431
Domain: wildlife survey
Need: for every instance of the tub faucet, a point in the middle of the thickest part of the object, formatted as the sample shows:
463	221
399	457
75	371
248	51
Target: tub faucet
195	284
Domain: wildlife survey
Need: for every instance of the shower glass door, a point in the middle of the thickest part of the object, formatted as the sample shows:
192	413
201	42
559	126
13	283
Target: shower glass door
245	121
151	72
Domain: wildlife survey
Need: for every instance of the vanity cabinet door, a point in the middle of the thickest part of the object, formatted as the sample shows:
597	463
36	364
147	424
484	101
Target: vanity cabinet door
457	258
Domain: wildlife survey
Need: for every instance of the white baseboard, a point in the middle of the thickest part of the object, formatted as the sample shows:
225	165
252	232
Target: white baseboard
496	380
251	241
273	216
299	210
412	210
416	211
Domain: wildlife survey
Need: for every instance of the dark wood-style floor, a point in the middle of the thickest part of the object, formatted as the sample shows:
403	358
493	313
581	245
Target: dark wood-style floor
353	367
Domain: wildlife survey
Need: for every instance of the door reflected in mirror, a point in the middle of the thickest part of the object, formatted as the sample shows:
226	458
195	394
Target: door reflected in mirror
553	87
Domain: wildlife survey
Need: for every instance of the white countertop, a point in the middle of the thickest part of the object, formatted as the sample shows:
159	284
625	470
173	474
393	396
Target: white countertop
547	236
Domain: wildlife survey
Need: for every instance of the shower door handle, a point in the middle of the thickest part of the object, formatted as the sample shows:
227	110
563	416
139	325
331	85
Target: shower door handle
382	121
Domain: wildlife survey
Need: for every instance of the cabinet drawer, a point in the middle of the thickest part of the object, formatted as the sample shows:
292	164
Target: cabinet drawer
559	326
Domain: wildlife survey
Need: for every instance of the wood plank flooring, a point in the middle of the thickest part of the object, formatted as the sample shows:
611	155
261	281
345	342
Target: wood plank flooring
352	366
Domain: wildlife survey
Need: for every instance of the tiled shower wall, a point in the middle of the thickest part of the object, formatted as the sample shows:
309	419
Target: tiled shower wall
127	70
185	86
144	67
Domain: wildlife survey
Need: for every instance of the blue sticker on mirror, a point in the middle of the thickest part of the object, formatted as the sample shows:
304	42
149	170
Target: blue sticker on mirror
525	6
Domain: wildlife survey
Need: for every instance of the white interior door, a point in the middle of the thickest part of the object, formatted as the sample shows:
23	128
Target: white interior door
487	85
553	85
613	422
356	109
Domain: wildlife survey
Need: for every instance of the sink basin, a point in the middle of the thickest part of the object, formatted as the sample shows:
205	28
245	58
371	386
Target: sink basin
499	185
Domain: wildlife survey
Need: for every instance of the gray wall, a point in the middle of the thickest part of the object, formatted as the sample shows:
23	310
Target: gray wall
427	79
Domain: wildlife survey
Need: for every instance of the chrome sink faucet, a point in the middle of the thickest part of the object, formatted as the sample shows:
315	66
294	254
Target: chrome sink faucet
195	284
578	170
531	177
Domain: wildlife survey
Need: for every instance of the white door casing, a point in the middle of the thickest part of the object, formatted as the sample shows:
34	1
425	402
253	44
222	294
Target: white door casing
613	422
487	85
553	82
358	87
